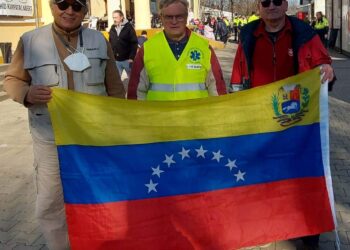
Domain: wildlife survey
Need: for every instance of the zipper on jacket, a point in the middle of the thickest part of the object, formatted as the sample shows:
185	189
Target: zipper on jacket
274	63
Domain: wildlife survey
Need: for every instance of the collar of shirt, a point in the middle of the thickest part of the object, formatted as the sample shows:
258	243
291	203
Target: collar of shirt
260	31
177	47
68	35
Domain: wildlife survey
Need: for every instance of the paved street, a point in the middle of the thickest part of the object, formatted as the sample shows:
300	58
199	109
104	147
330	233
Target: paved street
19	230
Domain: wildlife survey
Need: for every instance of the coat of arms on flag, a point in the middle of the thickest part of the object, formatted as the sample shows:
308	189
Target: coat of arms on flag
290	104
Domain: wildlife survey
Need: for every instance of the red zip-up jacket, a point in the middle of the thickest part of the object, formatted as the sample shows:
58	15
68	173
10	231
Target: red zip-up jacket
259	61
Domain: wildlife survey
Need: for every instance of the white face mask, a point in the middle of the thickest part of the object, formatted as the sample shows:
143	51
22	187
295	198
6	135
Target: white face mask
77	62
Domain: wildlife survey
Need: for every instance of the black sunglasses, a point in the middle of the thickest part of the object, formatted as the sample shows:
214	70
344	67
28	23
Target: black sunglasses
76	6
267	3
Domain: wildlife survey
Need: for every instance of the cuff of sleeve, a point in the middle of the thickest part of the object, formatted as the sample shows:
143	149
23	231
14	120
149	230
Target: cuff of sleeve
23	96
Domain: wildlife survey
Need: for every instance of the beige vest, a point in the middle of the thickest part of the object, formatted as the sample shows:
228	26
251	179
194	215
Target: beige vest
43	63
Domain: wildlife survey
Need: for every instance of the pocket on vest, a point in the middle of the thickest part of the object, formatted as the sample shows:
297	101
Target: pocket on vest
95	75
44	75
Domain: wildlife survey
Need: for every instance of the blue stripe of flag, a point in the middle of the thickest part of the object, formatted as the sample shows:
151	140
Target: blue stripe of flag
93	175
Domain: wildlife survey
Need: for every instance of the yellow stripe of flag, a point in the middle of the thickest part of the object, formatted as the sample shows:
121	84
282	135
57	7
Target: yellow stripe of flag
102	121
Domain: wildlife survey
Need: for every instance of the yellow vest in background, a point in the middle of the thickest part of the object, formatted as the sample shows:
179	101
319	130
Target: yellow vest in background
321	25
181	79
253	18
226	22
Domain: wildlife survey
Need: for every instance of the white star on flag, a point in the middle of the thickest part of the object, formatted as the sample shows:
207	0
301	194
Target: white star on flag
201	152
169	160
239	176
151	186
184	153
217	156
231	164
157	171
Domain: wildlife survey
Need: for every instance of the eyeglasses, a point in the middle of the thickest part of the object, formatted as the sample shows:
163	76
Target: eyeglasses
267	3
76	6
179	18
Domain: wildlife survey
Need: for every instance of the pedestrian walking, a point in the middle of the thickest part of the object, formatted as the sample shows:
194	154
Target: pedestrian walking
322	27
209	31
123	39
191	70
235	27
275	47
66	55
221	30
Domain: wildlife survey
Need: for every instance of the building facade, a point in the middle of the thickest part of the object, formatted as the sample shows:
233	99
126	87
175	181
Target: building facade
19	16
338	14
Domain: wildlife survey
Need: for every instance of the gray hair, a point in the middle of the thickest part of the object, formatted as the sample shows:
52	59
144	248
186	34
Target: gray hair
166	3
119	12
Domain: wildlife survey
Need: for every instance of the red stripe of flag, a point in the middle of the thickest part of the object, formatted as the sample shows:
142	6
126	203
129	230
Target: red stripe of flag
225	219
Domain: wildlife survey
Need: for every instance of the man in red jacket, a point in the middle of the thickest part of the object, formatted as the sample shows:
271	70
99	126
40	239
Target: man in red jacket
275	47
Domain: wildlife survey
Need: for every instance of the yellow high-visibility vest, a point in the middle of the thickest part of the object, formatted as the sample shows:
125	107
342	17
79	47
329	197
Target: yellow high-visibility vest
253	18
321	25
226	22
181	79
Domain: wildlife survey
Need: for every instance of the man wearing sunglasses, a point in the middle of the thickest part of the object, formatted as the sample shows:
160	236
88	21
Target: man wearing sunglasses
66	55
276	47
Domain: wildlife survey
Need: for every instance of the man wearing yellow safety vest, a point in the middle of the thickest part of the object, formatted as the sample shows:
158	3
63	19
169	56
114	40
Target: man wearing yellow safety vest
175	64
321	27
235	27
226	21
243	21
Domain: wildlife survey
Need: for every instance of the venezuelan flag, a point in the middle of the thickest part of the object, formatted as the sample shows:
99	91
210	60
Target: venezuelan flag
217	173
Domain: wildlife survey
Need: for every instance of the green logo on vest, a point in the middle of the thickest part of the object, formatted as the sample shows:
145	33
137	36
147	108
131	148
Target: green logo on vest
195	55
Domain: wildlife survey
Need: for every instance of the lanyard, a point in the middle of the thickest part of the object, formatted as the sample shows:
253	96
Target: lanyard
69	47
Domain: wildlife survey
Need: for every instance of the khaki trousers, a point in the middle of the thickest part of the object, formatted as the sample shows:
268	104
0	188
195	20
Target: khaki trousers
49	210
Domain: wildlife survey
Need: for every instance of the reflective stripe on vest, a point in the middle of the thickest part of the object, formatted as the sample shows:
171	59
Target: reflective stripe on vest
180	79
177	87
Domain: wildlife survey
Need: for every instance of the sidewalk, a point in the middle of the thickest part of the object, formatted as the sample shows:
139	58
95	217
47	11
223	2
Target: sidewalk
18	227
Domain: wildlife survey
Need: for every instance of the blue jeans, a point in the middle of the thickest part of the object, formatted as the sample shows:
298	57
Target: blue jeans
124	65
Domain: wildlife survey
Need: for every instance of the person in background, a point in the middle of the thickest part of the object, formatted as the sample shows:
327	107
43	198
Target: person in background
221	30
226	21
209	30
66	55
252	17
235	27
321	26
123	39
142	39
244	21
93	21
